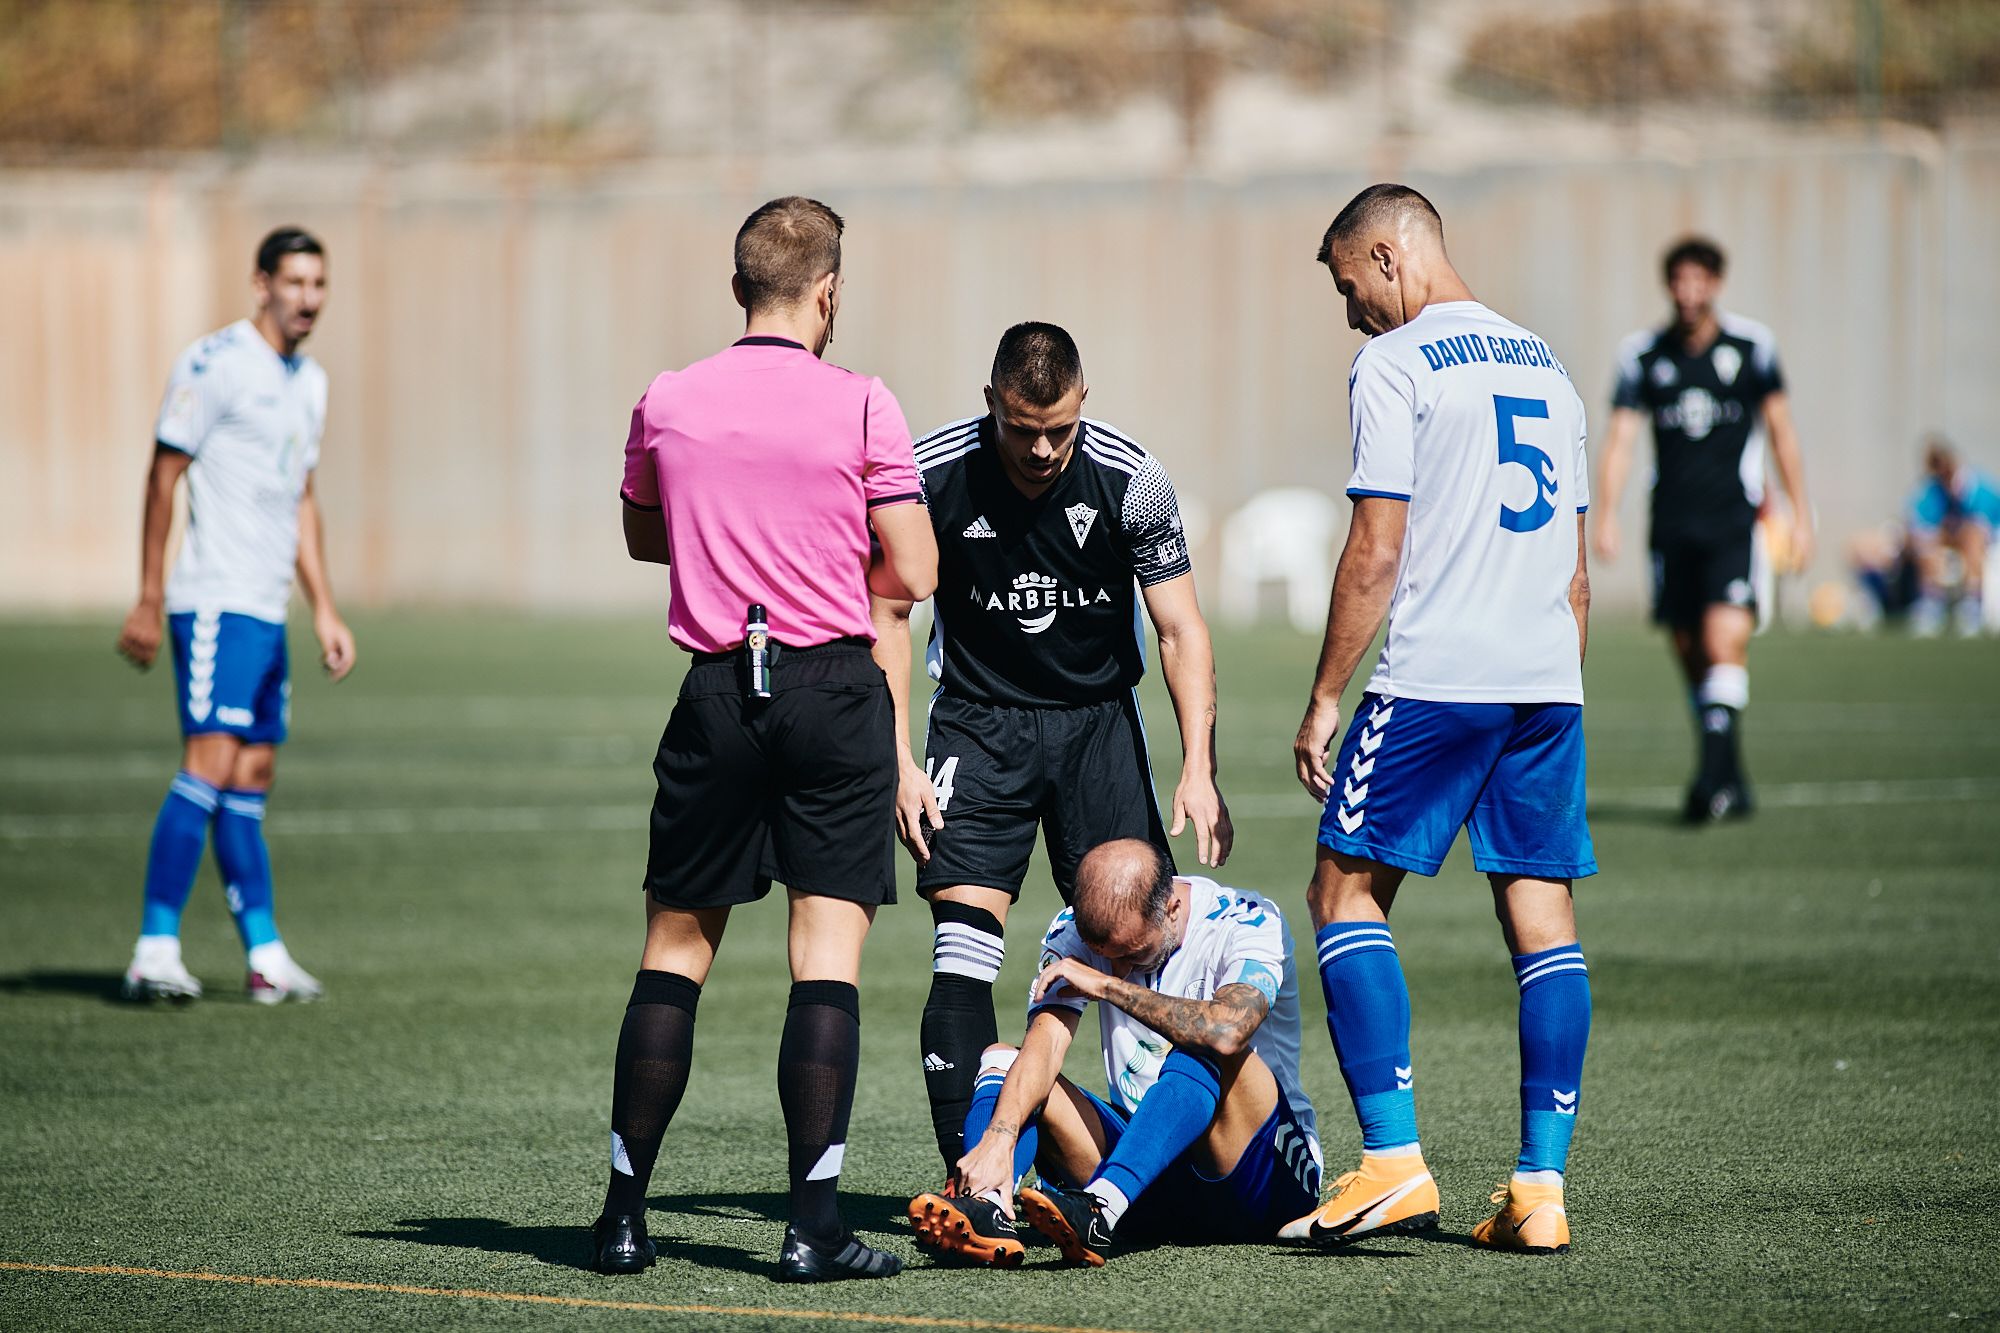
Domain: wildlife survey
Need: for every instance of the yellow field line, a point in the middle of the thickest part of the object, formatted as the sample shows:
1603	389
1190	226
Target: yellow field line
530	1298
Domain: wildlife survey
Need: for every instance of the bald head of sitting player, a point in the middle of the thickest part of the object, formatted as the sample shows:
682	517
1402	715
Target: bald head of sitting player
1129	906
1386	253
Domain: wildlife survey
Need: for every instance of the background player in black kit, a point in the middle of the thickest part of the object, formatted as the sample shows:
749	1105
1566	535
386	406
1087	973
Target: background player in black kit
1711	385
1044	521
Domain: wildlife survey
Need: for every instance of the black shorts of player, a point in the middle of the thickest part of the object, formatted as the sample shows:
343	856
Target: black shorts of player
798	788
1691	574
1081	773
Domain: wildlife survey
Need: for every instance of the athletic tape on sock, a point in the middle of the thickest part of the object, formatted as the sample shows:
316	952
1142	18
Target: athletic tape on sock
967	942
1728	685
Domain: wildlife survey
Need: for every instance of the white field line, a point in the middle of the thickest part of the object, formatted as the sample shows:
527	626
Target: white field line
631	815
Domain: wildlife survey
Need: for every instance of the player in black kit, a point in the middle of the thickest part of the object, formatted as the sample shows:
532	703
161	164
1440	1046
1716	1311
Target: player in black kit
1045	522
1711	386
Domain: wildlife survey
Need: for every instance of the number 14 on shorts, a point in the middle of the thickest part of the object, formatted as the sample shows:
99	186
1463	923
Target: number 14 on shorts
941	772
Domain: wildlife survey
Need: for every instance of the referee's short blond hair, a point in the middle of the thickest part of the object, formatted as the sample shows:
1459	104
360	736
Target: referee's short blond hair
783	248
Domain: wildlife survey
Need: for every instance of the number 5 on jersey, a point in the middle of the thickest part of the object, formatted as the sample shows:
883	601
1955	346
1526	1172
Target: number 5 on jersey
941	772
1539	465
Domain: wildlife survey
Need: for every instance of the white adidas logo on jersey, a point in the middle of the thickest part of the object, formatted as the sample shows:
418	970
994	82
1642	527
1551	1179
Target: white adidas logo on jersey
980	528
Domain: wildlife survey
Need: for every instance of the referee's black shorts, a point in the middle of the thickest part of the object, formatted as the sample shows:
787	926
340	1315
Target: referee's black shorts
1081	773
1694	572
799	788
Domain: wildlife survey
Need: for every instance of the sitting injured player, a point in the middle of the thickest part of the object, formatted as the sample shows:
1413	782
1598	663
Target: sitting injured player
1204	1135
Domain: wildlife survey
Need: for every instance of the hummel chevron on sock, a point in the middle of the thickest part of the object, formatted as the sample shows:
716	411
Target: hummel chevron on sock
967	950
246	865
179	834
1173	1115
818	1056
993	1067
655	1050
1555	1027
1368	1012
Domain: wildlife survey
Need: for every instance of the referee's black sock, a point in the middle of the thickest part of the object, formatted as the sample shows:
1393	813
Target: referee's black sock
958	1024
655	1048
817	1060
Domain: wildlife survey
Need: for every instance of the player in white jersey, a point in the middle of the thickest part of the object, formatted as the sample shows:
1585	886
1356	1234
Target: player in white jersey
242	419
1469	494
1206	1134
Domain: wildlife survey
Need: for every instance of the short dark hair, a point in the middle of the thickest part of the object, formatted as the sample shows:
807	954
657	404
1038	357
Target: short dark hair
1038	362
783	248
1161	887
1374	207
271	251
1694	250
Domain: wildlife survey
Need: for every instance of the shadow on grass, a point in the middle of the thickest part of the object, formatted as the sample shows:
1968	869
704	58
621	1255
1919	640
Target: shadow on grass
91	985
570	1245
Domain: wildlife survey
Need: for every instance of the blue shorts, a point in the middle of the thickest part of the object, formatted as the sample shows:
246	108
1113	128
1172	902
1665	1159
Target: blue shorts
1412	772
231	674
1275	1181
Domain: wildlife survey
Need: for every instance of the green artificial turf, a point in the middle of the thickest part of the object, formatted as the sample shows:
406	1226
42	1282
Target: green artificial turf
1788	1115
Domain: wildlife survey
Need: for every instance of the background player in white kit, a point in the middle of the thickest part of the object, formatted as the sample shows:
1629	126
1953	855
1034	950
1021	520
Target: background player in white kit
1205	1135
1469	492
243	417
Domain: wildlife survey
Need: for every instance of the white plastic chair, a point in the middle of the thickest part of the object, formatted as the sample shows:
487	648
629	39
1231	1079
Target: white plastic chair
1284	536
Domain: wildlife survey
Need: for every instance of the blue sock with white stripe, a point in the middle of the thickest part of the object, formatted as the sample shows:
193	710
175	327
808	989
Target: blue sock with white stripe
993	1068
1368	1013
179	834
1555	1027
1173	1115
246	865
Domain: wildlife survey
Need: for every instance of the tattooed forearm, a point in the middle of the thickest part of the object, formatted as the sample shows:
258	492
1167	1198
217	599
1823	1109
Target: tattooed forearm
1223	1025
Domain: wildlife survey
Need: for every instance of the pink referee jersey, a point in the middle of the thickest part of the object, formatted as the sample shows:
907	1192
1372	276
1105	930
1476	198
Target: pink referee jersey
766	461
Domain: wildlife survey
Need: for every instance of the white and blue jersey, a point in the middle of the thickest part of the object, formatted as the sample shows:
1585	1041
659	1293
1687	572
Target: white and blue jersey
1472	421
250	421
1473	716
1233	937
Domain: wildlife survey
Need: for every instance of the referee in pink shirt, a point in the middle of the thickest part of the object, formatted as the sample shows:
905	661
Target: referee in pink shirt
757	476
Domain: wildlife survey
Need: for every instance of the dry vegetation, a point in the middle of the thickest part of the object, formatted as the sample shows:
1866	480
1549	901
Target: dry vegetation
1047	57
179	74
1926	54
1608	57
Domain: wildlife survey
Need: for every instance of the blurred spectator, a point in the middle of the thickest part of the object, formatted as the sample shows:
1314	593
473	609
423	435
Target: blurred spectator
1952	518
1885	567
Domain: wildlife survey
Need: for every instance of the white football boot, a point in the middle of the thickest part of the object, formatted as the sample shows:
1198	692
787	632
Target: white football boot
275	977
157	972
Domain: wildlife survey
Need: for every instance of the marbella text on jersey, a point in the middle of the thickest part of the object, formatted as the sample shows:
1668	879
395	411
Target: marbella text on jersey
1041	596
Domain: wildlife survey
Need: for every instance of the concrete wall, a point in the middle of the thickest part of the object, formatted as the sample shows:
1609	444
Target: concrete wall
490	327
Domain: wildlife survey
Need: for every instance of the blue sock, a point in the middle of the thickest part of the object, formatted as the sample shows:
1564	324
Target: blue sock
246	865
985	1097
1555	1026
1173	1115
179	834
1368	1012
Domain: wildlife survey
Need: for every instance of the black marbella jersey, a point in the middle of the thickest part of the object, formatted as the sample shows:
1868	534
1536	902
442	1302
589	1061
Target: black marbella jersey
1708	425
1036	601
